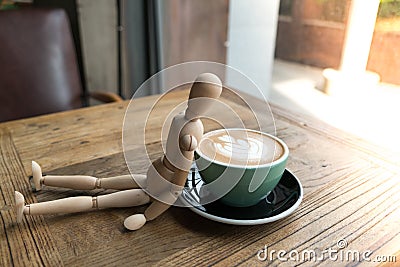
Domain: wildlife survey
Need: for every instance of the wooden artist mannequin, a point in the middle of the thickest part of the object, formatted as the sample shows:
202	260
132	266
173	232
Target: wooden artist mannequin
164	180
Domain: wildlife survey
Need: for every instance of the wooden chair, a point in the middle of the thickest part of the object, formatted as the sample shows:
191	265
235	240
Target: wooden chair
38	66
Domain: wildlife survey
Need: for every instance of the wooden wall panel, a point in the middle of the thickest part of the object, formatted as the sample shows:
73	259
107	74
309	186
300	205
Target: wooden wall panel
195	30
98	21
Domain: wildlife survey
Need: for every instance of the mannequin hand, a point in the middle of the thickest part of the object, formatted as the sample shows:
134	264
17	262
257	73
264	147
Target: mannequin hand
135	222
188	142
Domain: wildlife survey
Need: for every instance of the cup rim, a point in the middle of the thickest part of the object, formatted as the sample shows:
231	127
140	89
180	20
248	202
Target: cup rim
269	164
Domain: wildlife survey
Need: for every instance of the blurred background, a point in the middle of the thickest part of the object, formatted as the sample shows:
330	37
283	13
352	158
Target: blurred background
336	60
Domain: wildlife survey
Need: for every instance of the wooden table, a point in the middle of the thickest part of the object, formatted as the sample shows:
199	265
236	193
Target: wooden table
351	193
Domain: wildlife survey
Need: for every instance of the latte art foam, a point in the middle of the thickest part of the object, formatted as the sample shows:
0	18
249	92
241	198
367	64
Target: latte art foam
240	147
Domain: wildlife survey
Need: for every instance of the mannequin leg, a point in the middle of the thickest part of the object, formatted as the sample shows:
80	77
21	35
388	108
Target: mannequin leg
126	198
81	182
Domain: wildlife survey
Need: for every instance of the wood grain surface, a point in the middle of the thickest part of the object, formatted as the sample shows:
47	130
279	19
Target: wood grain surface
352	193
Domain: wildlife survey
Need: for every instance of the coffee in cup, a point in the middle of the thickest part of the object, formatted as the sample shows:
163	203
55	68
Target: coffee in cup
242	166
240	147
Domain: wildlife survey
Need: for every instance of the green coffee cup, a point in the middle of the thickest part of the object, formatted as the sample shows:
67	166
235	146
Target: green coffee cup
240	167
